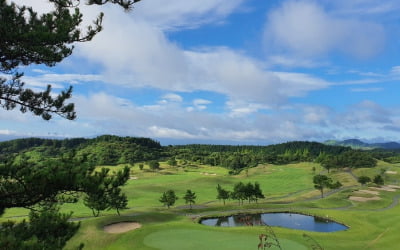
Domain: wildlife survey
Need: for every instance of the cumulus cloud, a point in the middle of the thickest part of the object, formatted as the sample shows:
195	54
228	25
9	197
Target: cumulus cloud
254	98
307	29
146	58
365	114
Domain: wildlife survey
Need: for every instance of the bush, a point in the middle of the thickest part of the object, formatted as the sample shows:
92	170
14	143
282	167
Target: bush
364	180
378	180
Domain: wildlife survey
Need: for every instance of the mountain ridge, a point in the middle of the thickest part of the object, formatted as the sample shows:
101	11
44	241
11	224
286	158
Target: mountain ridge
358	144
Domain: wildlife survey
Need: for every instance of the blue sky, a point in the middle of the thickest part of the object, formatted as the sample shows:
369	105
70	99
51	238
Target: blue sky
237	72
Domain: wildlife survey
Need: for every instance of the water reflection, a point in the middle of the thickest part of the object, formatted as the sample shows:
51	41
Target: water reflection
288	220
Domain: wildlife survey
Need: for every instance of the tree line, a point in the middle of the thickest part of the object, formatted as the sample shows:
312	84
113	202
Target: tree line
241	192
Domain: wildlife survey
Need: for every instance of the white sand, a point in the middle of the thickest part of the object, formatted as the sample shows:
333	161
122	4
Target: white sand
367	192
121	227
364	199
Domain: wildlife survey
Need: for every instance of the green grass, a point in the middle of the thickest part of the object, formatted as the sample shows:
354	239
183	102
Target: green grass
287	188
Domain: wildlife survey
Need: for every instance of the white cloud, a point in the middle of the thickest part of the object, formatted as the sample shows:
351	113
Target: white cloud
307	29
169	133
59	81
178	14
294	62
201	104
364	115
6	132
173	97
382	9
146	58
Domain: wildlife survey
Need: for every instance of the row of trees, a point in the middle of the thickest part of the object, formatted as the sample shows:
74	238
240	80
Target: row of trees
169	198
350	159
241	192
238	158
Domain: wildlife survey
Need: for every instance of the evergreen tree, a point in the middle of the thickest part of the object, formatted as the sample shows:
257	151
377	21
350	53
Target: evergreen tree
190	197
222	194
322	181
239	192
168	198
28	38
258	192
378	180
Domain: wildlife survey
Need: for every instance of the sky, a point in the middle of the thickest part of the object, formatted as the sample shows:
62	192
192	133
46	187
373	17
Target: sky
228	72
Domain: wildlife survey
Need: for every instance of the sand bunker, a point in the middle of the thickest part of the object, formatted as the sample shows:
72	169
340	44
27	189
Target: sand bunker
208	174
367	192
121	227
383	188
391	172
364	199
133	178
393	186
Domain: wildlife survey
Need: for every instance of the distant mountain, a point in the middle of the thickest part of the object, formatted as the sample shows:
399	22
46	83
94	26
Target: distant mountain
357	144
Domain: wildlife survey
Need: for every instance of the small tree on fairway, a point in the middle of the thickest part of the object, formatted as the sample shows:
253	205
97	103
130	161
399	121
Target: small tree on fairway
249	191
378	180
323	181
222	194
154	165
239	192
172	162
190	197
258	192
168	198
364	179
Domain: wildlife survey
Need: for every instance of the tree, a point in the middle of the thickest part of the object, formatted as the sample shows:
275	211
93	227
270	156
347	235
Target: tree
322	181
239	192
172	161
364	179
46	229
168	198
105	192
222	194
249	191
190	197
258	192
154	165
330	162
378	180
29	38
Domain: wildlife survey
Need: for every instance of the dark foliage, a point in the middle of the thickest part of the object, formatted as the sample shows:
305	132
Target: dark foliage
102	150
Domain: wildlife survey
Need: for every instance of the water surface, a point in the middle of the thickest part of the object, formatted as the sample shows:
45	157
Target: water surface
288	220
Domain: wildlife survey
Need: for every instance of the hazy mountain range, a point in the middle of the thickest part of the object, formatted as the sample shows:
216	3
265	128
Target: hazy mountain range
357	144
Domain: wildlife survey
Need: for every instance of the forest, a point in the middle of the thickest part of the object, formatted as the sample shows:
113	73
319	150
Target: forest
114	150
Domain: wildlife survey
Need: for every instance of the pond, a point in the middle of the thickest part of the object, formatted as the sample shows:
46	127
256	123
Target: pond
288	220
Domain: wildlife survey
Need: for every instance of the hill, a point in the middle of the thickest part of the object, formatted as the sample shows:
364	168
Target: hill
102	150
358	144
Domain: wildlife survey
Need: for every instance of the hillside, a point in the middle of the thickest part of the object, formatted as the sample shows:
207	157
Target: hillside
102	150
358	144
